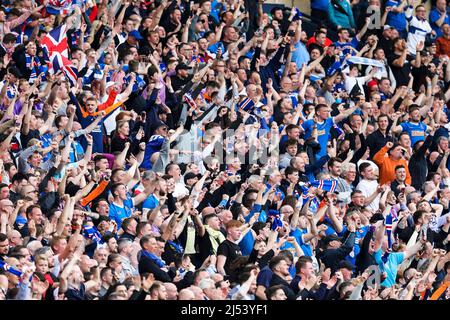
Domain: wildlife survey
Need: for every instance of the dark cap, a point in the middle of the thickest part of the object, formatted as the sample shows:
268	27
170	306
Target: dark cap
182	66
135	34
344	264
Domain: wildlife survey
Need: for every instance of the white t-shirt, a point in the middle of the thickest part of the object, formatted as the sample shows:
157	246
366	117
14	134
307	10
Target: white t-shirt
368	187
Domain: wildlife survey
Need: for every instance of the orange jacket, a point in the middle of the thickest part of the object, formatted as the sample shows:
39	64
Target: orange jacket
387	166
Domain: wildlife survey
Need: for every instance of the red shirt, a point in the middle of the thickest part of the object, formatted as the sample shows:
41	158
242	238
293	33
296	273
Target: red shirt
442	46
328	42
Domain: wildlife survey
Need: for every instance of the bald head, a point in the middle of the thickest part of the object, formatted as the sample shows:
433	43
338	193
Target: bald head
15	238
172	291
199	295
217	277
6	206
186	294
208	210
6	202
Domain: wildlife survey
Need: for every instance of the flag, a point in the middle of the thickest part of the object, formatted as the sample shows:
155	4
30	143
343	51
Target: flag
56	52
6	267
59	62
55	7
56	41
92	233
246	105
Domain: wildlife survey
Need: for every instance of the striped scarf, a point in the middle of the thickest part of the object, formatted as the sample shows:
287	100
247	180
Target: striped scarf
32	63
11	90
388	224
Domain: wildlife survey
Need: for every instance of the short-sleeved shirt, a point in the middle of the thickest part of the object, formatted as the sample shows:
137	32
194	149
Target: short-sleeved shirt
298	235
416	131
354	43
32	134
401	74
323	133
229	250
118	213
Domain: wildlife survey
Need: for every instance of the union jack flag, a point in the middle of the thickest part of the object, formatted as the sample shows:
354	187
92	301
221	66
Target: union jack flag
56	41
59	7
56	52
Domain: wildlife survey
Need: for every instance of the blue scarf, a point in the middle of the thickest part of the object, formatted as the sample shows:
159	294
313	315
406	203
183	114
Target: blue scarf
6	267
177	247
159	262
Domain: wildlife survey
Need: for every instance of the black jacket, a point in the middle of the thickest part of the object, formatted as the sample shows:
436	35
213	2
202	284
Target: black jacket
332	257
146	265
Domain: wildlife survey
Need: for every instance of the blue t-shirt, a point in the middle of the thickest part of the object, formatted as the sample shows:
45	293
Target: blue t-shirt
154	144
396	19
118	213
323	134
390	267
435	15
264	277
416	131
298	235
300	55
150	203
354	43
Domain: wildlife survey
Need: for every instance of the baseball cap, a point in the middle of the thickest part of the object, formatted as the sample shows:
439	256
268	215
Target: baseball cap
182	66
386	26
344	264
135	34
